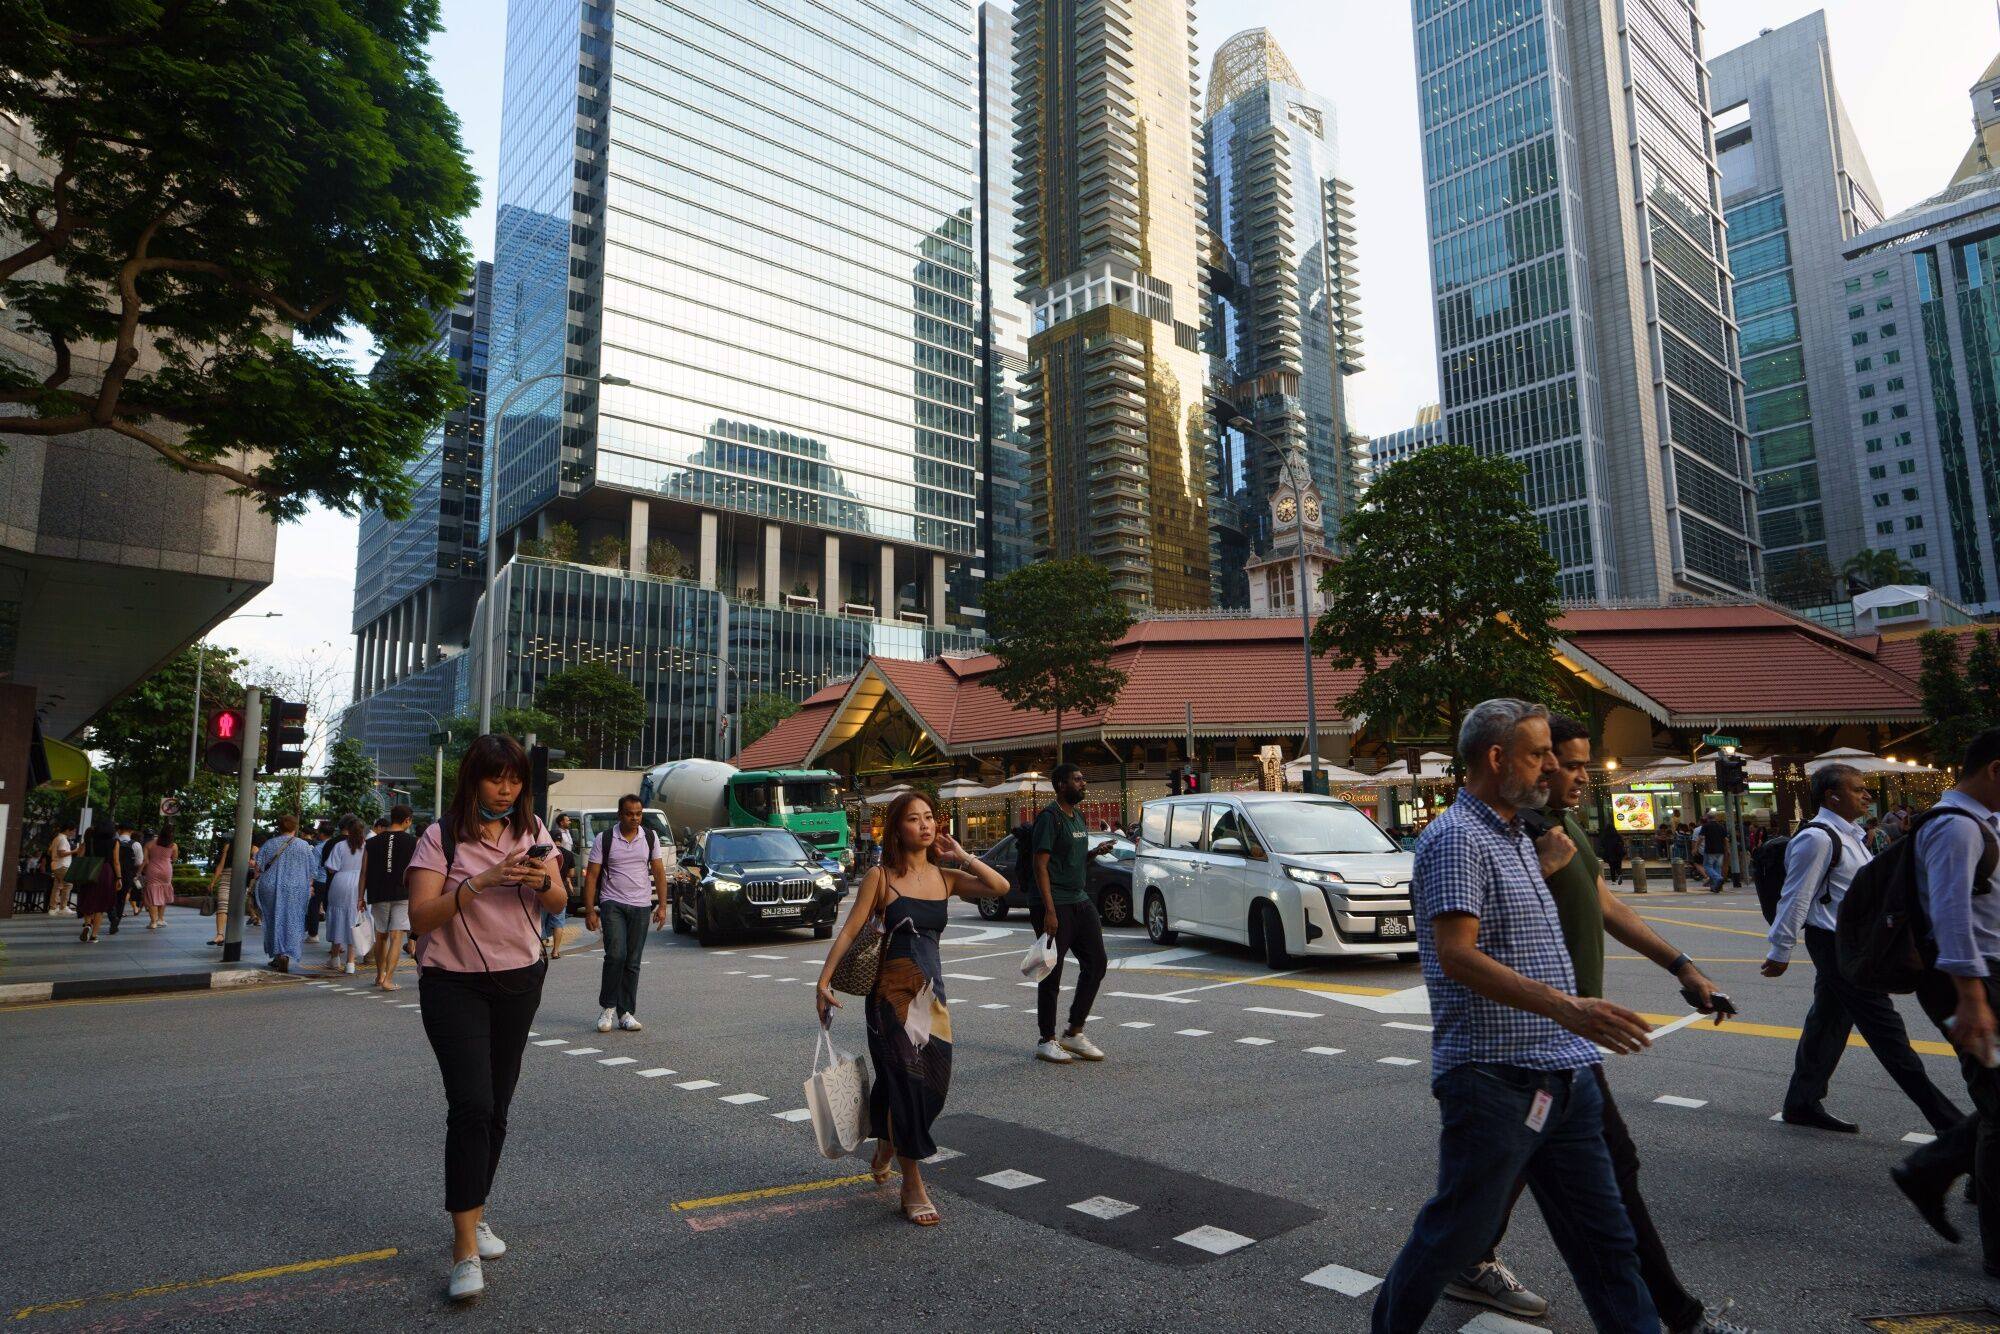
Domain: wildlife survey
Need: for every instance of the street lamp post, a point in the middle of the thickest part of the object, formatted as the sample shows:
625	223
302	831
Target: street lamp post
1301	477
439	735
200	656
492	503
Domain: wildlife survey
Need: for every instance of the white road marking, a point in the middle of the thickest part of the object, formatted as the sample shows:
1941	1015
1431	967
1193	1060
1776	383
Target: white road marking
1919	1137
1289	1014
956	1000
775	958
551	1042
1325	1051
410	1005
944	1155
734	972
1394	1060
973	958
743	1099
1255	1042
582	1051
1492	1322
619	1060
1777	1116
796	1114
533	1034
1009	1179
1143	995
655	1072
1192	1032
1103	1206
696	1085
1670	1100
758	977
994	1005
1414	1028
1339	1278
1214	1240
1135	1023
1158	959
1232	982
969	977
1067	986
788	979
1410	1000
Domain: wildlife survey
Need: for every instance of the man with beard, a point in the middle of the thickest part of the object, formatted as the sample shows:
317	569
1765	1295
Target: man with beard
1513	1045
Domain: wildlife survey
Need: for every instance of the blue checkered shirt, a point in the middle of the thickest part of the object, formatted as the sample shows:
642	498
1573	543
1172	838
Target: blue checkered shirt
1471	861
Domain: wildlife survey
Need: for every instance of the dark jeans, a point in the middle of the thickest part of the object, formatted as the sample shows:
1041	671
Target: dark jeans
1838	1008
478	1027
1078	932
1973	1145
315	909
1485	1146
624	943
1677	1306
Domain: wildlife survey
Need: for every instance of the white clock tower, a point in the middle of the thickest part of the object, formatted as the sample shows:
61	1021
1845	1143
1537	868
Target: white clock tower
1298	545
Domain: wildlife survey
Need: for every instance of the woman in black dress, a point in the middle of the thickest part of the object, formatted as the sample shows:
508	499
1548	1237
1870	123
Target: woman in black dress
98	895
909	1024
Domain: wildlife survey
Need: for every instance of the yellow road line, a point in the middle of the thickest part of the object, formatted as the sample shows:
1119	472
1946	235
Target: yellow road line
1743	1029
768	1193
246	1276
250	989
1704	926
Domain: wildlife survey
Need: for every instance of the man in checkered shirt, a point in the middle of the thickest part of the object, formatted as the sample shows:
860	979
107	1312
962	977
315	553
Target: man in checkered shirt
1510	1039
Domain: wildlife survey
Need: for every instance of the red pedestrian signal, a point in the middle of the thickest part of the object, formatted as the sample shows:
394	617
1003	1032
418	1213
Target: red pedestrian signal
224	752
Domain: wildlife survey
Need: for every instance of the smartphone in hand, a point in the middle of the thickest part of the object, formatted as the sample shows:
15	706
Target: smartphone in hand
1720	1003
540	851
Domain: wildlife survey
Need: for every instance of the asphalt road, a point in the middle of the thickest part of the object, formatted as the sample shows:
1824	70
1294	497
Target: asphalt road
1275	1133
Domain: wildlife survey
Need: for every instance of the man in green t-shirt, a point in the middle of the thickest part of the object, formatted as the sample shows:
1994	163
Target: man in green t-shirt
1061	849
1587	909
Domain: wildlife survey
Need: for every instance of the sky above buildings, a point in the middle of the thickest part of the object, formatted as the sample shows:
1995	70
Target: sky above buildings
1902	68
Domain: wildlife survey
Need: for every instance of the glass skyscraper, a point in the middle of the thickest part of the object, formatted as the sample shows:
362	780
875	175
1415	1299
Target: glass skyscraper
1005	533
1796	188
1112	253
1286	326
1583	303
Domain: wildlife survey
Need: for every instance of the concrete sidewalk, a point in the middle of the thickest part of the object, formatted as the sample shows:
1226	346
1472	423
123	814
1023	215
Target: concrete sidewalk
42	959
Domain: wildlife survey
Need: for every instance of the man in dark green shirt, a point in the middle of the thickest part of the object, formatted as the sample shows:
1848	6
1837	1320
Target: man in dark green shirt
1587	909
1060	847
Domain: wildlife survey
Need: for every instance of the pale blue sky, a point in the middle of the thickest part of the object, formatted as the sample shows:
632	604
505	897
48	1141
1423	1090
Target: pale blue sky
1902	66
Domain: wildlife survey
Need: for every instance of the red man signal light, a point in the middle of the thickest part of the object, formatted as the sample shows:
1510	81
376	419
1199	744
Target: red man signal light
224	752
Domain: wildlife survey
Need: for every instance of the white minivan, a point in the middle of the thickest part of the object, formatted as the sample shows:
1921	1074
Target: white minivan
1289	874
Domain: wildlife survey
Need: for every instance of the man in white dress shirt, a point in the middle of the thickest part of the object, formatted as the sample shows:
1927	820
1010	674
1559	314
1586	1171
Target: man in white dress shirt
1820	862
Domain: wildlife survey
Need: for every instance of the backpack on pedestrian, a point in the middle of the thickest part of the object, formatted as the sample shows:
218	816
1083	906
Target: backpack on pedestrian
1024	859
1767	867
604	846
1883	935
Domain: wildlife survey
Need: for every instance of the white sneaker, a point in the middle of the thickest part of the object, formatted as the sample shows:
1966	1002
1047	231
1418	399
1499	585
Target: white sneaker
607	1021
630	1022
1052	1051
468	1280
490	1246
1081	1047
350	967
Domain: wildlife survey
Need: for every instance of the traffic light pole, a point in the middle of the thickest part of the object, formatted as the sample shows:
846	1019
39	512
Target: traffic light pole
246	820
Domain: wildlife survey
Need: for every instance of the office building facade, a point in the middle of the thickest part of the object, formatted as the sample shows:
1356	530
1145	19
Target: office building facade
1795	189
1918	305
1006	537
1386	451
1582	288
763	224
1285	325
1112	251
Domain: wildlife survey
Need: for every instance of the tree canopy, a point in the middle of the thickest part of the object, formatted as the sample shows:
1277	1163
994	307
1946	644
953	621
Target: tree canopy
349	785
599	711
1446	595
461	729
230	188
761	713
1961	700
1054	624
1878	568
144	735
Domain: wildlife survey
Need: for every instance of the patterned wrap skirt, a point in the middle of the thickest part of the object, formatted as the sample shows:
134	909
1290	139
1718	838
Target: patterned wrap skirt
910	1081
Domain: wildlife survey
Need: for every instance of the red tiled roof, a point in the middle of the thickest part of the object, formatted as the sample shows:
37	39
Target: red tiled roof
1904	653
792	739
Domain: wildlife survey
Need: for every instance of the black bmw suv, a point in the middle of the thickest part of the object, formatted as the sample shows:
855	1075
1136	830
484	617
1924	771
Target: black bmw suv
754	880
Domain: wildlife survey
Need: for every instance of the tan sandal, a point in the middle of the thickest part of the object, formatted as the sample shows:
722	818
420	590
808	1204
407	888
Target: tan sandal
881	1171
923	1215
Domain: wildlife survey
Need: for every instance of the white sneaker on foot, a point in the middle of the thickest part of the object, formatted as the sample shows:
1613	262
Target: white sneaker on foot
629	1022
1081	1047
607	1021
1492	1283
468	1280
1052	1051
490	1246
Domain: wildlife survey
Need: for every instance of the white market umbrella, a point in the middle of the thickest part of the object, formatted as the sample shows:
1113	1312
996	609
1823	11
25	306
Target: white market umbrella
888	797
1872	765
1431	767
961	789
1696	771
1295	771
1022	785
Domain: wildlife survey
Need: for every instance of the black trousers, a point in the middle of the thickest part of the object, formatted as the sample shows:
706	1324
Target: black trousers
1677	1306
478	1027
315	909
1838	1008
1078	932
1973	1145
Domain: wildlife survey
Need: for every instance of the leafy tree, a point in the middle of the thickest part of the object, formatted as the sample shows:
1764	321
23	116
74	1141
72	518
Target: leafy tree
348	787
1807	581
1054	625
1949	704
461	729
234	186
597	709
609	550
1880	568
560	544
664	559
1982	677
761	713
143	736
1446	596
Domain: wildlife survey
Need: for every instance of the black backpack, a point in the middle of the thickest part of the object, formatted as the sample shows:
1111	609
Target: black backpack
1883	935
1767	869
1024	858
604	847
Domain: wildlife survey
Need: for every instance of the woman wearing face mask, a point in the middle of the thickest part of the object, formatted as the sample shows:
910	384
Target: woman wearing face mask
909	1024
476	901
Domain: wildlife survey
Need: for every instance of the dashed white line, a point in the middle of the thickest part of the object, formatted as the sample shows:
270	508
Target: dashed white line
1147	995
774	958
1135	1023
1192	1032
1324	1051
1104	1207
796	1114
1414	1028
995	1005
410	1005
1671	1100
655	1072
1255	1042
1914	1137
551	1042
1214	1240
619	1060
758	977
696	1085
1339	1278
743	1099
967	977
1394	1060
1289	1014
944	1155
1492	1322
1009	1179
734	972
582	1051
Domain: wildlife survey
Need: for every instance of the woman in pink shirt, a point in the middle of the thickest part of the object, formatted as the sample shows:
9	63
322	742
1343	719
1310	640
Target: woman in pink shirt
476	903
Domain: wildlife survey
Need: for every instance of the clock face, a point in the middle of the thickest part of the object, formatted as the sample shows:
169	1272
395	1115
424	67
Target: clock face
1312	509
1288	508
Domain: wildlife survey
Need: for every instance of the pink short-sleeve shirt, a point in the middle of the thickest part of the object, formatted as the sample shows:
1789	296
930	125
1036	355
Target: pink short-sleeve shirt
503	925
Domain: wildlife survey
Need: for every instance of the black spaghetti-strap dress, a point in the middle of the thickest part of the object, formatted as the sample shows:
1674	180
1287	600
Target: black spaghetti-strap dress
910	1081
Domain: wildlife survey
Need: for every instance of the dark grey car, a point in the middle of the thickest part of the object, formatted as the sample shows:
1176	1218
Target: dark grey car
1109	882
